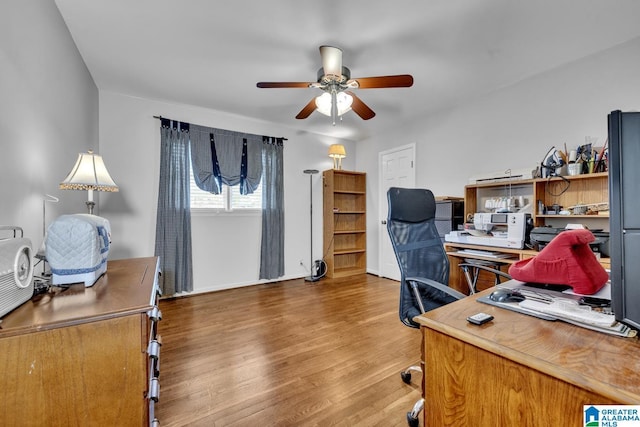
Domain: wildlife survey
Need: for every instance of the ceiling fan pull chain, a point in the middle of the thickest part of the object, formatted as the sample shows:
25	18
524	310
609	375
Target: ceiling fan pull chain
334	105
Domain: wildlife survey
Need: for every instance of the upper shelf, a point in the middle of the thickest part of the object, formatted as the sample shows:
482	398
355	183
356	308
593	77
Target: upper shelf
565	191
514	182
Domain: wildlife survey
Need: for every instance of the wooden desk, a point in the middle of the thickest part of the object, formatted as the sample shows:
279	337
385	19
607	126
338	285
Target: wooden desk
485	280
457	279
78	357
518	370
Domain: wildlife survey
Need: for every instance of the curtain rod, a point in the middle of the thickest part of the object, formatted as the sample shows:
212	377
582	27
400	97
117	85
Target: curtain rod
160	117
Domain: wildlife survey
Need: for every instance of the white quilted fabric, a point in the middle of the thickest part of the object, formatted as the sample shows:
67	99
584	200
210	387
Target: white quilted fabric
77	243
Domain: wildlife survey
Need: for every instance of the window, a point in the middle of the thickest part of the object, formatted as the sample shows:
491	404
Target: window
230	200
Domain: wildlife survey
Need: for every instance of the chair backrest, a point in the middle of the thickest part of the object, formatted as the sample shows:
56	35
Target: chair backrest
418	248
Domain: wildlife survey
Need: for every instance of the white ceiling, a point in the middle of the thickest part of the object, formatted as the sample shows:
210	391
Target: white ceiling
211	53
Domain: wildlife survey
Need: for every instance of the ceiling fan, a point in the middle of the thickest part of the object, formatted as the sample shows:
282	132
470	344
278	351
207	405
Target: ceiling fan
335	81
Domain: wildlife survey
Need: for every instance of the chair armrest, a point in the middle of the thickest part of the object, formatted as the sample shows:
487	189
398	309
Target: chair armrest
485	268
436	285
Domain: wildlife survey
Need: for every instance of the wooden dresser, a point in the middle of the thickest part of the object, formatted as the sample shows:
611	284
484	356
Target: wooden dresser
79	356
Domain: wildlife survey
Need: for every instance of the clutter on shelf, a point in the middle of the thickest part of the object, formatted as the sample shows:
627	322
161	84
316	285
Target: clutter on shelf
583	159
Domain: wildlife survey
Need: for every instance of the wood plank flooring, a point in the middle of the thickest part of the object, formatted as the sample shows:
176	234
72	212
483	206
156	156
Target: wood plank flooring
292	353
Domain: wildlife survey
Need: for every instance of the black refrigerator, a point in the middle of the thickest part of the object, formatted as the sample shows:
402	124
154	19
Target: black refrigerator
624	218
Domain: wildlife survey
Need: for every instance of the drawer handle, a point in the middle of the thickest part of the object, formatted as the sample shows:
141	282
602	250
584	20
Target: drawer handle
154	389
155	367
155	314
153	421
153	350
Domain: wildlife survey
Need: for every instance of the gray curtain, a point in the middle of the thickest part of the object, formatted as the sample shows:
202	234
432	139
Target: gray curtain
173	224
272	246
225	157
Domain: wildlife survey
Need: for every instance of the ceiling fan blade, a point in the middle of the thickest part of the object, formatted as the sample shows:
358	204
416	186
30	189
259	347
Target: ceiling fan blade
361	108
307	110
401	80
331	60
280	85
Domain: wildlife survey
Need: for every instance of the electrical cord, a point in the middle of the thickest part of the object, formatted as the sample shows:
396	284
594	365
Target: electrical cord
551	166
548	191
335	221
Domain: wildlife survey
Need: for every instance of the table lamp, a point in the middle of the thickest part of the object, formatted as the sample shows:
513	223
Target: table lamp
337	153
89	173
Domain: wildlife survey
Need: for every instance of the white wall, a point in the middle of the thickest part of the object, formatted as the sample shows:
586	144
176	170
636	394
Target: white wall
226	248
511	128
48	114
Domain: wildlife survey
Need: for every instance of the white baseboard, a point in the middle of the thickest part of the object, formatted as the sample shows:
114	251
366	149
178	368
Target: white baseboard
222	287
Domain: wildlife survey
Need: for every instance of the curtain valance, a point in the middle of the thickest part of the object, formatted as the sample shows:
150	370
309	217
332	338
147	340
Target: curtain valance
221	156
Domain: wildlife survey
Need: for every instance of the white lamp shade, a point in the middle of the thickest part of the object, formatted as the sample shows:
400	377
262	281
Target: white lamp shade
89	173
343	102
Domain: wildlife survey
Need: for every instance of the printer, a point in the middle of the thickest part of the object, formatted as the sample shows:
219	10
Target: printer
503	230
541	236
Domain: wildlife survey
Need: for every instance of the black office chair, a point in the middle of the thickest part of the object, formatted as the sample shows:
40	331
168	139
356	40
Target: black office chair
423	262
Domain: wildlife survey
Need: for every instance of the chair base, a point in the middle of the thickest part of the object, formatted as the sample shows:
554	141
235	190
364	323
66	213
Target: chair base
406	374
413	417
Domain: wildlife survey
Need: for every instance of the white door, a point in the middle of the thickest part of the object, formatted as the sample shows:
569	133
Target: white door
396	170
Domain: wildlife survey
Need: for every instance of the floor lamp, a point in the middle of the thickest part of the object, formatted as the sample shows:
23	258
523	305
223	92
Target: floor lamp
311	277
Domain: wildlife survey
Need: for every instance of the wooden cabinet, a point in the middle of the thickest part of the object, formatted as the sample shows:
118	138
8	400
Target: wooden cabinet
591	190
567	191
345	222
78	356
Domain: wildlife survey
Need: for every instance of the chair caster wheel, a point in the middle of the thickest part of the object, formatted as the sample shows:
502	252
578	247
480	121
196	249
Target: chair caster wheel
413	422
406	377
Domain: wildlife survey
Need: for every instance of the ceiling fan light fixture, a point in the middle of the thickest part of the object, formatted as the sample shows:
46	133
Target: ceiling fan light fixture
343	102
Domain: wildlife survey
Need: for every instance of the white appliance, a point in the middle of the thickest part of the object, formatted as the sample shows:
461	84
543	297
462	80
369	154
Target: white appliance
76	248
16	270
504	230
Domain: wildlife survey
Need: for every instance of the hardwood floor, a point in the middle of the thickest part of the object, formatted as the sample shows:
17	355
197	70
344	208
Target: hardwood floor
292	353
